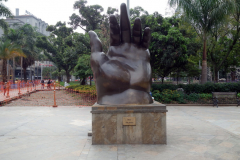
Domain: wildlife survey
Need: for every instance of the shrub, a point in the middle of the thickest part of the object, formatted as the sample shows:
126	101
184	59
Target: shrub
206	96
167	96
73	86
193	97
200	88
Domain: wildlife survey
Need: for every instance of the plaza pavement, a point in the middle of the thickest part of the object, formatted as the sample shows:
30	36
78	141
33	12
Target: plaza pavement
46	133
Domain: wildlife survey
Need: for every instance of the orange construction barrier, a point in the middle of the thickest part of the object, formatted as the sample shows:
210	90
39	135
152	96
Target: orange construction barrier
55	105
8	87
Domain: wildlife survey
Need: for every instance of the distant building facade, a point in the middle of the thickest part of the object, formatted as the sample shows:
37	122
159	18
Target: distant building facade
27	19
41	26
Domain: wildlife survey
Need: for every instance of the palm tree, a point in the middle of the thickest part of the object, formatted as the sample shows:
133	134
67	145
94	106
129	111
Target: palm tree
203	16
25	36
8	50
4	12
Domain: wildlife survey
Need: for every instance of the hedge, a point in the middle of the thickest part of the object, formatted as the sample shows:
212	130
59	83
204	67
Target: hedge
199	88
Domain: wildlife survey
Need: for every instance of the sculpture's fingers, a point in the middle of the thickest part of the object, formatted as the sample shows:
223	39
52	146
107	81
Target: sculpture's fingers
137	32
96	45
114	31
125	25
146	38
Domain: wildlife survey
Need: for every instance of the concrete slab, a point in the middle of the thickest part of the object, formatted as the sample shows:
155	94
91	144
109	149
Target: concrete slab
46	133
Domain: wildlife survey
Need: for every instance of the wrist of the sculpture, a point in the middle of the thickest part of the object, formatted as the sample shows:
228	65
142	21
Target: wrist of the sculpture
129	96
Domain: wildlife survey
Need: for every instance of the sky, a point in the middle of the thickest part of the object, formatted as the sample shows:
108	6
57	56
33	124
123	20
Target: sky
52	11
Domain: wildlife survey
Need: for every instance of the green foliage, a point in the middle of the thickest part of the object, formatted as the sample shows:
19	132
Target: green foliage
167	96
206	96
8	50
4	12
49	71
173	96
169	47
83	68
63	47
83	89
204	16
200	88
193	97
89	17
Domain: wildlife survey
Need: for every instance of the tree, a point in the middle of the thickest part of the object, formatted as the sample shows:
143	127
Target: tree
104	31
25	36
203	16
60	48
4	12
89	17
83	68
224	43
49	72
7	51
169	47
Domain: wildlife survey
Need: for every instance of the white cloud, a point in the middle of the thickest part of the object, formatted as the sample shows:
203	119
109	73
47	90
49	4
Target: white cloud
52	11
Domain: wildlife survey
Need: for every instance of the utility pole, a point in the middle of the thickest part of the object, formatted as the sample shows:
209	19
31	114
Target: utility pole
21	67
41	71
128	8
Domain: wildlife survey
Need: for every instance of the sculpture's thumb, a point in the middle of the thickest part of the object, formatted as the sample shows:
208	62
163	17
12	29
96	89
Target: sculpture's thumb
96	45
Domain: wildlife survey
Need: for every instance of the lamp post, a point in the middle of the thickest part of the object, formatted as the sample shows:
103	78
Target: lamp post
128	8
41	70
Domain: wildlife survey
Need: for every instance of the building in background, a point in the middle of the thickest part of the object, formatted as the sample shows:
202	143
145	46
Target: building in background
41	26
28	18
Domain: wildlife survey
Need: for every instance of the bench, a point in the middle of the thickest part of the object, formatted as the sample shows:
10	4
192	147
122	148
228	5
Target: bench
221	96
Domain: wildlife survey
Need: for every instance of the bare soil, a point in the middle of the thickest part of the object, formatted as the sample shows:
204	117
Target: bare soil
46	98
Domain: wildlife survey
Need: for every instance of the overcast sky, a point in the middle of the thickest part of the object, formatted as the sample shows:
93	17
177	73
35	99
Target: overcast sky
52	11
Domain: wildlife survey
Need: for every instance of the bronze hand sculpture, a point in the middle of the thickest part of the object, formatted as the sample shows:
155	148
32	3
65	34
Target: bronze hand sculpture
123	75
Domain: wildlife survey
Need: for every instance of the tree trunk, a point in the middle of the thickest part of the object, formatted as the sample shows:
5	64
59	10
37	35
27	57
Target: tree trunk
25	74
215	75
68	76
90	80
37	72
30	72
204	61
83	81
177	79
59	75
162	79
4	70
233	76
13	74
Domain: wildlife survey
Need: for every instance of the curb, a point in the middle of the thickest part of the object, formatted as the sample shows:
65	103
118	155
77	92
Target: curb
211	105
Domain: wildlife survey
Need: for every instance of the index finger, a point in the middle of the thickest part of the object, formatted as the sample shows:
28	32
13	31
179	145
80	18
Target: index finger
125	25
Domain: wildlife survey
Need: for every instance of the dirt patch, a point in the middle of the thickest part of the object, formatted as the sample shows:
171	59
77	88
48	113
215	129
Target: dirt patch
46	98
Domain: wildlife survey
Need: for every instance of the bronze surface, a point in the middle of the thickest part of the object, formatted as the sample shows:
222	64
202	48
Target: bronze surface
123	75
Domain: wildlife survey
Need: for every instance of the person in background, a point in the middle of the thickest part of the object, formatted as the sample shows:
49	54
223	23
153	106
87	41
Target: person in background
42	83
49	84
4	88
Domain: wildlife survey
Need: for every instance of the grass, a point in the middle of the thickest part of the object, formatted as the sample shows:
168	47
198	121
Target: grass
74	82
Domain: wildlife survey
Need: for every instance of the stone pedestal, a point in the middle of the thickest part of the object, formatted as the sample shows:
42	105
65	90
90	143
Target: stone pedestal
129	124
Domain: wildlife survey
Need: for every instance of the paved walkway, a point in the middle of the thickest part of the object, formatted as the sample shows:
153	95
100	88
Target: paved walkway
46	133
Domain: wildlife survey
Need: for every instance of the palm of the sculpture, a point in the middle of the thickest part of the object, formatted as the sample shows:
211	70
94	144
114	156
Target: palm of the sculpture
126	70
136	61
126	64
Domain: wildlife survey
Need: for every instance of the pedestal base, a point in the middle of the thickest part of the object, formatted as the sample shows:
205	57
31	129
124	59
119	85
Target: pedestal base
129	124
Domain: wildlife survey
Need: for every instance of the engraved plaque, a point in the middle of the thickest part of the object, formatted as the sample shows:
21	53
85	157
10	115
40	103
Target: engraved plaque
129	121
